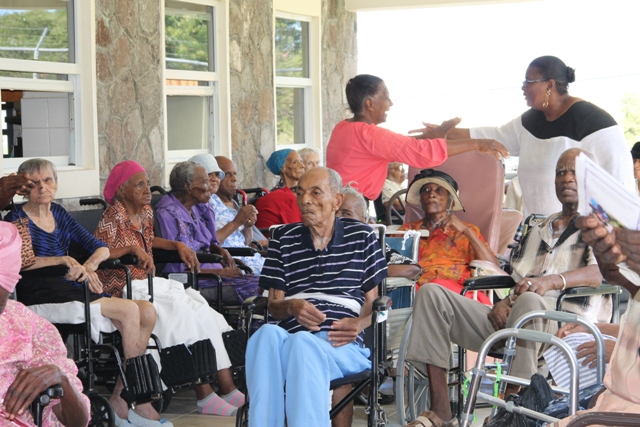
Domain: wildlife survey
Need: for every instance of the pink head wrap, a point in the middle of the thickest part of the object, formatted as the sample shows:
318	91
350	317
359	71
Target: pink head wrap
118	176
10	247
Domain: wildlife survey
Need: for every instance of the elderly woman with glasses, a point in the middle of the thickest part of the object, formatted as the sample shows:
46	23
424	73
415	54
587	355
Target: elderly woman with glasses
451	245
183	315
555	122
185	216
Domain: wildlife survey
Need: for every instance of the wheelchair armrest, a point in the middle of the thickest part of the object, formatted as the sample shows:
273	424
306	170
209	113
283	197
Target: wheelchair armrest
129	259
255	303
381	304
481	283
53	392
241	251
578	291
258	245
54	270
43	400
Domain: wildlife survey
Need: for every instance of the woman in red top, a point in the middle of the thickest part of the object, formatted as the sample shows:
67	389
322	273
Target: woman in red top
359	150
452	244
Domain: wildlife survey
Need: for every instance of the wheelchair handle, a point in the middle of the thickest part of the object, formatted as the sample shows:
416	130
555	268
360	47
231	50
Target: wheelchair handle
382	304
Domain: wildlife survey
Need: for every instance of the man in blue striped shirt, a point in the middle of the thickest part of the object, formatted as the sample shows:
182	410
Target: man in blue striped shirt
322	276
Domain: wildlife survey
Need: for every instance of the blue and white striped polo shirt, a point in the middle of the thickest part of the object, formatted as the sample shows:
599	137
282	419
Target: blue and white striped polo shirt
351	265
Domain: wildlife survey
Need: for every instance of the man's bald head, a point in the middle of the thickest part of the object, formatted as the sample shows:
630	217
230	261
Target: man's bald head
228	184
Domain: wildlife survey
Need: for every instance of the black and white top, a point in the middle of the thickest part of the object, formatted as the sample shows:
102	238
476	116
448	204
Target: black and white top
539	144
351	265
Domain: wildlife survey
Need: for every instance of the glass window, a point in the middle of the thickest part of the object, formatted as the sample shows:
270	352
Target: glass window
37	30
36	123
291	115
188	36
188	122
292	48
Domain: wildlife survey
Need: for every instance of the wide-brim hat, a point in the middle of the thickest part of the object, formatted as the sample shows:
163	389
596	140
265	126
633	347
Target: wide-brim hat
427	176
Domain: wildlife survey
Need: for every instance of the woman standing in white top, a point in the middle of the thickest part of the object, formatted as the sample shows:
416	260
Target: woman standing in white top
555	122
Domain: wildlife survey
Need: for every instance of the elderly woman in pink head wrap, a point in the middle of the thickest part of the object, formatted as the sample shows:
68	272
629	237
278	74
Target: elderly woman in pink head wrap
184	316
32	355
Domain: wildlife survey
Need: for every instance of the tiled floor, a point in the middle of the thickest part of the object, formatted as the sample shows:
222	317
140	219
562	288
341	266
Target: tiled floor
182	413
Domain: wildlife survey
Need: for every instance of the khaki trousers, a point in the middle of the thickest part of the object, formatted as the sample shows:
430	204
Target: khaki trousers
441	317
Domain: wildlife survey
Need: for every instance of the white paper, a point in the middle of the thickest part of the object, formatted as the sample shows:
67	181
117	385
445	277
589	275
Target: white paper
601	194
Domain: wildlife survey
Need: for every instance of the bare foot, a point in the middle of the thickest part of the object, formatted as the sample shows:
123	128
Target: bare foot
119	406
147	411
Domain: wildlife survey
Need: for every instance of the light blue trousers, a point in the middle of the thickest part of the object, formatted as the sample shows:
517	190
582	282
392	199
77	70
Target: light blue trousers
300	365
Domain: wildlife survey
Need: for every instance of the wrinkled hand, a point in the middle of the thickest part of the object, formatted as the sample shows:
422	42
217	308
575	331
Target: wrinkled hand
629	243
27	386
455	223
227	259
498	315
538	285
604	244
431	131
14	184
307	314
95	285
145	261
570	328
247	215
189	258
587	351
496	149
344	331
228	273
77	272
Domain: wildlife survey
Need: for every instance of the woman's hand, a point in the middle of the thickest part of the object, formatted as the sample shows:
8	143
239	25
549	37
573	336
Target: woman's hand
431	131
493	147
95	285
145	261
538	285
246	214
455	223
188	257
77	272
587	351
227	259
27	386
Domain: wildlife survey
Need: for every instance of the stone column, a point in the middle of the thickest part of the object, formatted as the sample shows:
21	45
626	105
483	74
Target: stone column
129	85
252	89
339	62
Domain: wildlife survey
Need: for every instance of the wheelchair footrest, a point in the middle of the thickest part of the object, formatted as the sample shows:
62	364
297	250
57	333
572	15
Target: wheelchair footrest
142	380
184	366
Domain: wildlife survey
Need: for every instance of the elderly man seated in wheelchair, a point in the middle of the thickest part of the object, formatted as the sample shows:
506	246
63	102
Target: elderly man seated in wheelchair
322	276
551	257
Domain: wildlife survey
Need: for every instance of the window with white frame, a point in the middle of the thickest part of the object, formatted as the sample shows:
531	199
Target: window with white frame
297	73
192	80
47	66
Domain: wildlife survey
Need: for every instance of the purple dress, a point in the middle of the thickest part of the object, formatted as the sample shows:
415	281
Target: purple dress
197	229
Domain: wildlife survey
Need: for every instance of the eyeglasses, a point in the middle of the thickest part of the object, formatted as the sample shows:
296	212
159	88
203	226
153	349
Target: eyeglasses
219	174
527	82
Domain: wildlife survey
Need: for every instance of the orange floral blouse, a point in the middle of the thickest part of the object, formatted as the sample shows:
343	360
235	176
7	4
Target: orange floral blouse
445	254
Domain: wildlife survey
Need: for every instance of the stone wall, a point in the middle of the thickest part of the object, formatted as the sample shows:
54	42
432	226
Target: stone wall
339	62
252	89
129	85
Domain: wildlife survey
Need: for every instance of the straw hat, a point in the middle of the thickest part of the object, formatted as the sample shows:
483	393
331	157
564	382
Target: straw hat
427	176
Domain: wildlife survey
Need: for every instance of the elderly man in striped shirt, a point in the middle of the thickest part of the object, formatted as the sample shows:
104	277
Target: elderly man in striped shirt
322	276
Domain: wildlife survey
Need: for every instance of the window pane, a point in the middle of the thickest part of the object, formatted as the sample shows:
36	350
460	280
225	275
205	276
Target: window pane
36	124
24	75
188	36
188	122
292	48
37	30
290	115
172	82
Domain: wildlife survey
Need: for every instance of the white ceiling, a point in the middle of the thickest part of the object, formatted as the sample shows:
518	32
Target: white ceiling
367	5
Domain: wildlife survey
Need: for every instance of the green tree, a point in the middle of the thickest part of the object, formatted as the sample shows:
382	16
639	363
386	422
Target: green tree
631	120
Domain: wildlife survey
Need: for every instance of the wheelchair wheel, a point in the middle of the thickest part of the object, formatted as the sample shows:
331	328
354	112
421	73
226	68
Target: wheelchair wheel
411	385
101	412
242	416
162	404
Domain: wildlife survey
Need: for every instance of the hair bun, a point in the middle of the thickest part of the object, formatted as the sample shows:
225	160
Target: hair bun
571	75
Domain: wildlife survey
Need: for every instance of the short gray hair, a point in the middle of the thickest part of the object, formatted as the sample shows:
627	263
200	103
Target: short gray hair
182	175
38	165
304	152
335	181
361	203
